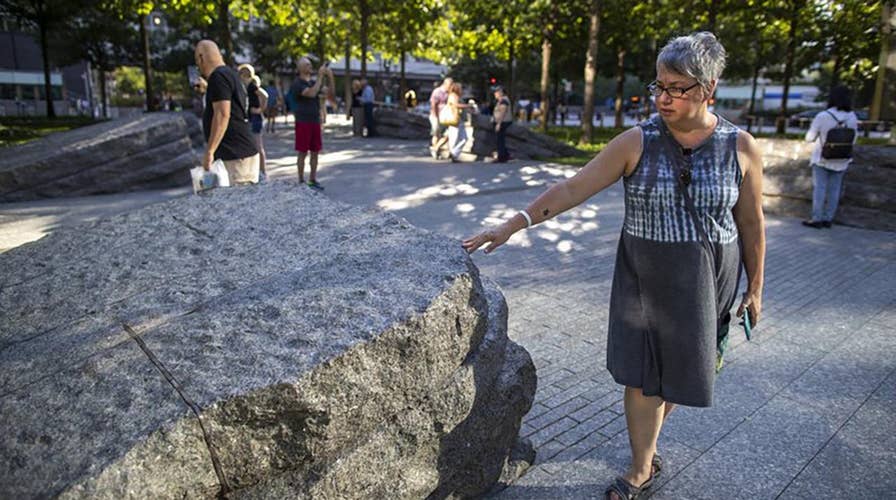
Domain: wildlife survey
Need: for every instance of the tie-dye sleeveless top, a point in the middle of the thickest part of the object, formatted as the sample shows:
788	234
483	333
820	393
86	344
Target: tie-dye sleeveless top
654	207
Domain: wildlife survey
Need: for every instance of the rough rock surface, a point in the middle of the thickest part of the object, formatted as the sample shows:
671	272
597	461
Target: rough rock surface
154	150
521	141
195	347
869	193
400	124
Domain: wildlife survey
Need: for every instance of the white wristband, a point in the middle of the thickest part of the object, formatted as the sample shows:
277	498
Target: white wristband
526	216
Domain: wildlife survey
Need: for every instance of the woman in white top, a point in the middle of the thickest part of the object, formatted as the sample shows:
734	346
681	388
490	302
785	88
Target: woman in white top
827	175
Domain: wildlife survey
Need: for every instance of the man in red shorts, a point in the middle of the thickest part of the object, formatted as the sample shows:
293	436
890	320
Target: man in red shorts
304	94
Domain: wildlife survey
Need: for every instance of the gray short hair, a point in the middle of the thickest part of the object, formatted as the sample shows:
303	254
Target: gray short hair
698	55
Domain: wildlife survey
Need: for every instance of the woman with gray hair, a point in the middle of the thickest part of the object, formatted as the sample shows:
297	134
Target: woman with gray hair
693	214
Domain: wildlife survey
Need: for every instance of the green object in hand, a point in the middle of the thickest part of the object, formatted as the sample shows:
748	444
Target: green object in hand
747	327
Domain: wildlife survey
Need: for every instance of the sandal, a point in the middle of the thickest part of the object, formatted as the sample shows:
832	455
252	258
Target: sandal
656	466
626	490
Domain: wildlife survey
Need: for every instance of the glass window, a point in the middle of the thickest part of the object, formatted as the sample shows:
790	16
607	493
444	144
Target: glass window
55	91
8	91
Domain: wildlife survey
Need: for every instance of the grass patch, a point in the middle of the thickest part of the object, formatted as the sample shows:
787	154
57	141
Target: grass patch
570	135
874	141
603	135
15	130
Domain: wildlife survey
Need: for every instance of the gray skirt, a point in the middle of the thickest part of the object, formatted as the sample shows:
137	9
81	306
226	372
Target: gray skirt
668	308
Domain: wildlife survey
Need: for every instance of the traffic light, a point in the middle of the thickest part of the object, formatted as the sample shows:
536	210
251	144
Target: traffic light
492	80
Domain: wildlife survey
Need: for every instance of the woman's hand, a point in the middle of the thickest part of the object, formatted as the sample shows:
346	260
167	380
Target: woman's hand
495	237
752	302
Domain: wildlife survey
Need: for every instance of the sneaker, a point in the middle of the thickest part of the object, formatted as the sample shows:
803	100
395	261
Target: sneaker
826	223
315	185
813	224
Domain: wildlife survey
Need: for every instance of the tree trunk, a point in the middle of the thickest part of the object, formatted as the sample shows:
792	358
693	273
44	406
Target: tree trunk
647	77
545	81
322	32
226	37
103	92
147	67
620	87
788	67
511	70
403	84
713	14
365	15
877	102
752	111
556	98
590	73
347	83
838	64
48	87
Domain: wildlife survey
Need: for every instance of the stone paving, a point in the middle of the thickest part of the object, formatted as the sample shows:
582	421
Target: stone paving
805	410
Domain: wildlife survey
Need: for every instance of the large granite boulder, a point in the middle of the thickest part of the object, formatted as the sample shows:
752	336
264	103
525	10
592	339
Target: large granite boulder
869	194
521	141
155	150
400	124
255	342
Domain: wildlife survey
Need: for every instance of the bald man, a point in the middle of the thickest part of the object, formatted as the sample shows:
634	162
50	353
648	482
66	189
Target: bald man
225	120
304	94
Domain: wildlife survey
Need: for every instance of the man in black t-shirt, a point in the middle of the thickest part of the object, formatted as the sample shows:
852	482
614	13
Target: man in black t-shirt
225	120
304	96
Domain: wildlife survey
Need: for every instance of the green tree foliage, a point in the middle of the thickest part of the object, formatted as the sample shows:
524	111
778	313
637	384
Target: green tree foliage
89	36
531	45
852	42
47	16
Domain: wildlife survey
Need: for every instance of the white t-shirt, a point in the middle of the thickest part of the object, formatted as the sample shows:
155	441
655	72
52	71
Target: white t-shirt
821	124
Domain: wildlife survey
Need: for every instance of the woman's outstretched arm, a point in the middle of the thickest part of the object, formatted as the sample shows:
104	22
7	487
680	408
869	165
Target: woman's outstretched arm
617	159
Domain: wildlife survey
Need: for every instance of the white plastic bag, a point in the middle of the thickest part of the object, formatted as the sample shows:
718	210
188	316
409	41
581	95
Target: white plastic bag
215	177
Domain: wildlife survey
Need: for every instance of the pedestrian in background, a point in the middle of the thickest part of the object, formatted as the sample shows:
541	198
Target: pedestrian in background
503	118
357	109
225	120
437	99
258	99
693	200
274	104
367	99
828	172
457	133
305	95
198	102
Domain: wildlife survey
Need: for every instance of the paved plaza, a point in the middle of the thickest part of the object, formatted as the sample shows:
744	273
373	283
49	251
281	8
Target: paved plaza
806	410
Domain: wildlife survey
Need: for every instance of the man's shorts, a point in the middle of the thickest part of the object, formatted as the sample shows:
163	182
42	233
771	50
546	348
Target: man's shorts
308	137
243	170
255	122
435	128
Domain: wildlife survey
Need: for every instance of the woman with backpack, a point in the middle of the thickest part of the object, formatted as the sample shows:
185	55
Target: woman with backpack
834	133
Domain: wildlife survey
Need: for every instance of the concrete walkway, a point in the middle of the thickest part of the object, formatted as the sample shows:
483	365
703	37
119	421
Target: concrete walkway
806	410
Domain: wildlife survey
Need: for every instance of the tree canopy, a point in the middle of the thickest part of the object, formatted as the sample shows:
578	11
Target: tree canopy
833	41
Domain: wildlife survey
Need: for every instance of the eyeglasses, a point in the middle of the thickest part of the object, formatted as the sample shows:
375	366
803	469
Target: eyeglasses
657	90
